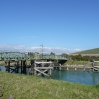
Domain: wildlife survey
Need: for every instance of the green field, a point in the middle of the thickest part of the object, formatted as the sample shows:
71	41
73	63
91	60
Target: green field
31	87
90	51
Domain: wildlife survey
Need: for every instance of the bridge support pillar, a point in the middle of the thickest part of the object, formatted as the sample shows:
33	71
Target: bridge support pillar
32	62
17	67
8	66
34	67
23	66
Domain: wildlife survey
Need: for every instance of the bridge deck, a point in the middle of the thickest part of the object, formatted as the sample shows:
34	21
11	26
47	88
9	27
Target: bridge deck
31	56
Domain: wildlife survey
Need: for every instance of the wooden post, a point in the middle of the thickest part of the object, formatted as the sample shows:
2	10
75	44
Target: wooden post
21	66
24	67
60	68
84	69
8	66
53	66
75	68
31	71
32	62
17	67
50	72
35	67
67	68
93	66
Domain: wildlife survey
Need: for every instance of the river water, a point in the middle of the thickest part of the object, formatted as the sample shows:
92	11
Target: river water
79	76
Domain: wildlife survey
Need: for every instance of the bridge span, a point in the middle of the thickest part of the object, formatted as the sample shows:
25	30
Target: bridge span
37	61
29	56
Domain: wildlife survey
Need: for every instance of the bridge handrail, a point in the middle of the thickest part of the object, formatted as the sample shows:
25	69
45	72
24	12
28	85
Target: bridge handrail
19	56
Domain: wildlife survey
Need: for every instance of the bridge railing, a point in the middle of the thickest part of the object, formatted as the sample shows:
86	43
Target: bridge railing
25	56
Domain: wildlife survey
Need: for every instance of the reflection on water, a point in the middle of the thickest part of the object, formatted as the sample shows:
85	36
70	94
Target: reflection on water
89	78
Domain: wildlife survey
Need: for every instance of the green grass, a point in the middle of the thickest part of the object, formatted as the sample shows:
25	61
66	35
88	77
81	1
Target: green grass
90	51
32	87
70	62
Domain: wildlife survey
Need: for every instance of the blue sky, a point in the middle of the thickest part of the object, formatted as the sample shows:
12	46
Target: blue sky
62	26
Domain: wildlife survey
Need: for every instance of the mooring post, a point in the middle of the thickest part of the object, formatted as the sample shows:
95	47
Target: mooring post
67	68
75	68
53	66
50	70
84	69
59	66
93	66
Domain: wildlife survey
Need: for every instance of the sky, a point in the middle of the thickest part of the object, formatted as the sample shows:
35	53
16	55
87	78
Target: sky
61	26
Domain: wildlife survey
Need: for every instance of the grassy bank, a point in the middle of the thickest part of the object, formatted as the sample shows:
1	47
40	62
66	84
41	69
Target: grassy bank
32	87
70	62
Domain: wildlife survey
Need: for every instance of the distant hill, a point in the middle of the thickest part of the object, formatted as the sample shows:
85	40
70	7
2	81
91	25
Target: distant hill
90	51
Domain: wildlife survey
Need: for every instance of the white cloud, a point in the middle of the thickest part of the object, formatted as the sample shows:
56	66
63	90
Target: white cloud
77	49
19	47
23	48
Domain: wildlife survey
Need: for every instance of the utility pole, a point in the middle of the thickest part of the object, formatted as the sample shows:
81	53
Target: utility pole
42	50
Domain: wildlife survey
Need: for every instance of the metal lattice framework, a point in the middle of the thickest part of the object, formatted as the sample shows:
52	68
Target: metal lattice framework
28	56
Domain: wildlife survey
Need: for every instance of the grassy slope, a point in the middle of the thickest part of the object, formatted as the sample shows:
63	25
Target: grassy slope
32	87
91	51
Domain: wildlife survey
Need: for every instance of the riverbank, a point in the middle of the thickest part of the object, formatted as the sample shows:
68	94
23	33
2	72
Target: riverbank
71	62
32	87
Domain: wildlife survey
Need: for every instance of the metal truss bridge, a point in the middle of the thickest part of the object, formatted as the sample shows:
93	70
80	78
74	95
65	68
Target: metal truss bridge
17	56
19	60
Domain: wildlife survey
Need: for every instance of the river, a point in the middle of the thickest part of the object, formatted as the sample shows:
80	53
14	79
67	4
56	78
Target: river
79	76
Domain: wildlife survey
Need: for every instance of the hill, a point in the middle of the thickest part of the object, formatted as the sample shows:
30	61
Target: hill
90	51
